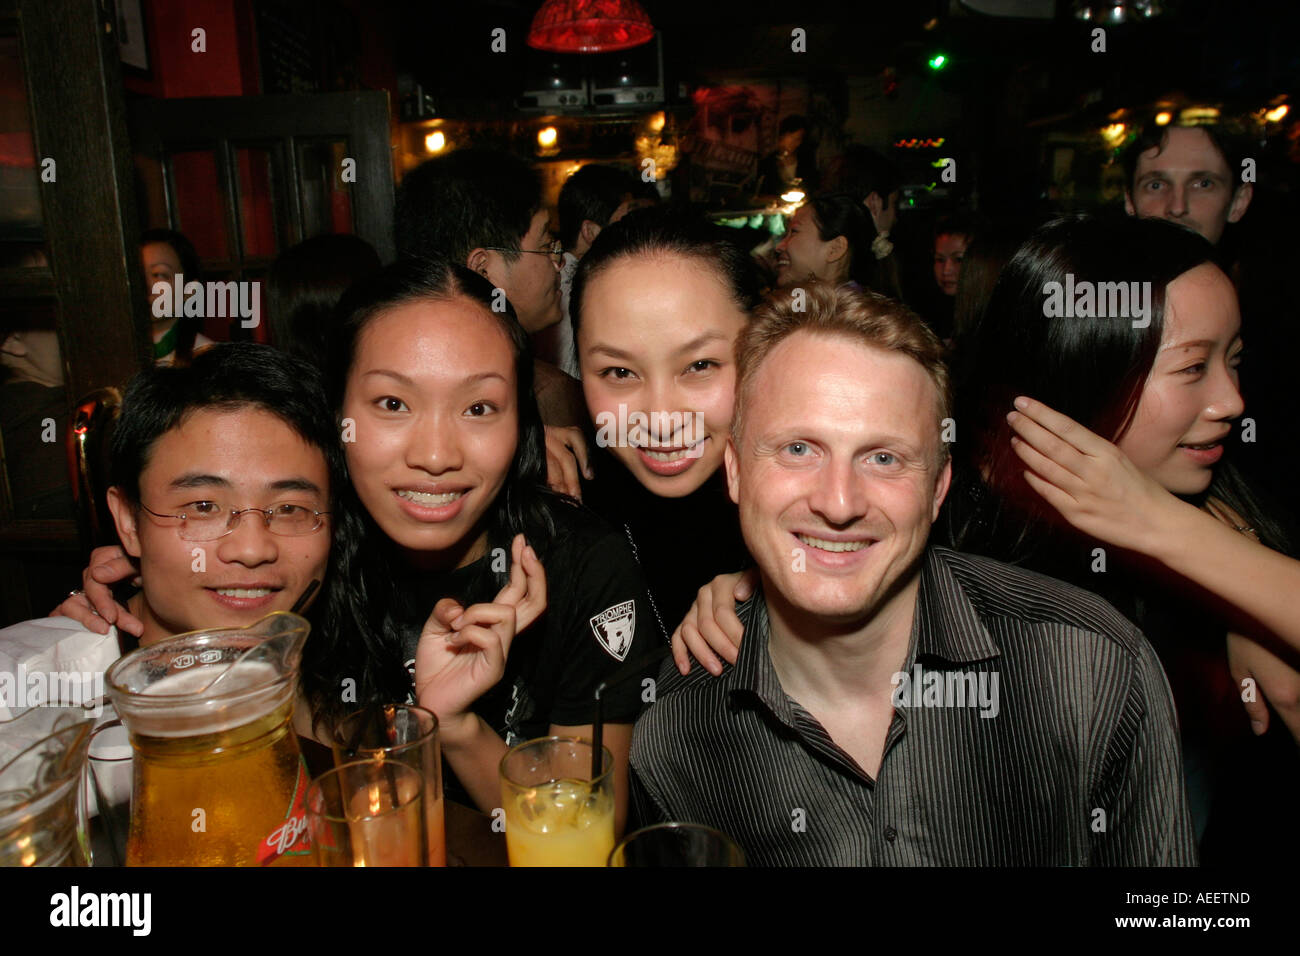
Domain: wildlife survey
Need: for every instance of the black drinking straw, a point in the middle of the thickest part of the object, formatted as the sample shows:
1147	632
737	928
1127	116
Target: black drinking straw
376	716
303	598
626	672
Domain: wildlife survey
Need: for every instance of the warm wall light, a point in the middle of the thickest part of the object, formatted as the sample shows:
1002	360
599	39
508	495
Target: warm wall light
546	137
1198	114
1113	134
656	123
1163	118
1277	114
435	141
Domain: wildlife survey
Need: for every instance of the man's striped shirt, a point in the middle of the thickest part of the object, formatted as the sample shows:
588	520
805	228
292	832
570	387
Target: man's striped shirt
1034	728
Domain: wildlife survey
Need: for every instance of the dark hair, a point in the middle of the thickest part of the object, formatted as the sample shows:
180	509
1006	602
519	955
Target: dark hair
956	224
468	199
840	214
187	326
664	231
594	192
226	376
792	124
360	638
306	283
985	258
1228	141
1092	370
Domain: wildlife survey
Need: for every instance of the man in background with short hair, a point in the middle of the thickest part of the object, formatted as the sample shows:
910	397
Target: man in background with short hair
592	198
1191	175
483	208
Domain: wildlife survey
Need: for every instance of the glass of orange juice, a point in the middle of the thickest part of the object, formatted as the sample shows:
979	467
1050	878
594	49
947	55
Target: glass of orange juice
556	814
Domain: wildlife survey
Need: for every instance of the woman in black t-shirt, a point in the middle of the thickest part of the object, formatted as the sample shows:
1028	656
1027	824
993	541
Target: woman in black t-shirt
447	513
657	304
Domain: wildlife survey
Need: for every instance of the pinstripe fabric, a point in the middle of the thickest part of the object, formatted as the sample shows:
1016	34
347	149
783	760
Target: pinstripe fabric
1080	766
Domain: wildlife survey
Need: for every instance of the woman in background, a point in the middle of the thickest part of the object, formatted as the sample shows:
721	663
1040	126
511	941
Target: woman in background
165	253
828	238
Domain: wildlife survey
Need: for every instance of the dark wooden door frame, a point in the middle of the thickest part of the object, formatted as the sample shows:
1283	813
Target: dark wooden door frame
74	87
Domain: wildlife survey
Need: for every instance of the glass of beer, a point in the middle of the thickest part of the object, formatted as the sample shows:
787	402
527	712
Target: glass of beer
368	813
218	778
677	844
408	734
556	814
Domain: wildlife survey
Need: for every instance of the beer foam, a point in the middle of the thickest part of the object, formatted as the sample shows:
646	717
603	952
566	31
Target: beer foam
246	695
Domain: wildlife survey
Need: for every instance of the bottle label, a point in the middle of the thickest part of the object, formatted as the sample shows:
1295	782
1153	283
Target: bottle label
291	837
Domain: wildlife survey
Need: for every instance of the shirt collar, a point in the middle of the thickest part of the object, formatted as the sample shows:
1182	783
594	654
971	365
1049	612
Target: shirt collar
754	674
946	626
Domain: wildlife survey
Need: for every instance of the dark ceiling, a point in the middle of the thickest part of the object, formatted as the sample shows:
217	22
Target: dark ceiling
1224	49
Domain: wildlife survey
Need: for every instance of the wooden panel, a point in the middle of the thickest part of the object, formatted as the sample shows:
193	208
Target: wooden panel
78	119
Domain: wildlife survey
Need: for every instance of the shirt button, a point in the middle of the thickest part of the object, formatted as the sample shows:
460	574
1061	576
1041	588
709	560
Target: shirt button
891	834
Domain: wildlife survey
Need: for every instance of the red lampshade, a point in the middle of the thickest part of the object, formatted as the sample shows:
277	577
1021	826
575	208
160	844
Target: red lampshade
590	26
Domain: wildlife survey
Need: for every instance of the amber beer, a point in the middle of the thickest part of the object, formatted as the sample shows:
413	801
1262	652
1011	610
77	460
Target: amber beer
248	781
217	776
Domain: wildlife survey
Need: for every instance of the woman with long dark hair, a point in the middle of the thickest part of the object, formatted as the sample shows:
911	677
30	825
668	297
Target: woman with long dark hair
1111	472
448	512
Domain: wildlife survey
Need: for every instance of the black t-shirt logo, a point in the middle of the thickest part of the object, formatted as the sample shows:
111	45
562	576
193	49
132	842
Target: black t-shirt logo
614	628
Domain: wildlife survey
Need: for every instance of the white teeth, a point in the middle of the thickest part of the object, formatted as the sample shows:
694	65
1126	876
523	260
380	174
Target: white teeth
823	545
670	455
433	501
244	592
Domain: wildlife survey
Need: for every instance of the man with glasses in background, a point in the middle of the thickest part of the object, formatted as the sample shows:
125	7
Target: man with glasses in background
222	475
483	209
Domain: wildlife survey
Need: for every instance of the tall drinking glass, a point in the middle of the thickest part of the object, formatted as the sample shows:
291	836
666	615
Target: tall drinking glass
368	813
677	844
408	734
556	814
111	772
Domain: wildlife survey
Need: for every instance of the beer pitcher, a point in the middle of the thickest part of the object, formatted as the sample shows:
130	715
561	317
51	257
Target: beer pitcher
219	779
42	753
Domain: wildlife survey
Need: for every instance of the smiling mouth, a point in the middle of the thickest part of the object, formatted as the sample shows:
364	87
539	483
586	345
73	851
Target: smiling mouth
822	544
246	592
672	452
430	500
